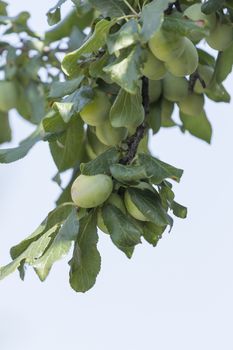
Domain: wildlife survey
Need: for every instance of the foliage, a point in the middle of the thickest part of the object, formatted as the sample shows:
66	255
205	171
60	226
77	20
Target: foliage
96	86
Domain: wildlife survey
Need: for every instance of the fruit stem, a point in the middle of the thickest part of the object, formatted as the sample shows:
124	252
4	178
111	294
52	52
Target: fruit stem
134	140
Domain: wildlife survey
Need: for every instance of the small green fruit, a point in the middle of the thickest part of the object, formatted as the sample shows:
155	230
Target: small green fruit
187	63
91	191
153	69
93	146
8	95
192	104
96	112
155	90
221	36
166	46
109	135
174	88
132	209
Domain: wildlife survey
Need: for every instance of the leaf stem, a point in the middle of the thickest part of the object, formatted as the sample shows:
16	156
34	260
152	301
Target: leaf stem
130	7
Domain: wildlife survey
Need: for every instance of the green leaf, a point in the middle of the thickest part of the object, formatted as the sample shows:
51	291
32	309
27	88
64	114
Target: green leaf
218	93
179	210
55	217
60	89
54	17
92	45
123	232
31	254
101	165
31	102
127	110
224	64
128	173
150	206
198	126
125	70
57	6
110	8
205	58
212	6
60	245
96	68
67	150
126	36
152	233
5	129
53	123
166	194
182	25
10	155
74	103
159	170
86	261
152	17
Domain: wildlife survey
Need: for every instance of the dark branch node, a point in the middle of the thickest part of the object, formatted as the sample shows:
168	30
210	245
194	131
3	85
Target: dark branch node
177	6
192	80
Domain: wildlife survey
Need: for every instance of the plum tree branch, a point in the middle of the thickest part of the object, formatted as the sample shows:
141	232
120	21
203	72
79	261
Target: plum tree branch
192	80
134	140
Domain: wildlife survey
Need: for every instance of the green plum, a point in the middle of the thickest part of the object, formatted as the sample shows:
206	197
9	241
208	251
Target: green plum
109	135
132	209
166	46
187	63
174	88
96	112
91	191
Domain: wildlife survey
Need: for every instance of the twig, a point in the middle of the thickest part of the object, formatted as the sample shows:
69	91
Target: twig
134	140
176	4
192	81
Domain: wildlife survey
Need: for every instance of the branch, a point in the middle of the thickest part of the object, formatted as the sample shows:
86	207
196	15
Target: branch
134	140
192	80
168	11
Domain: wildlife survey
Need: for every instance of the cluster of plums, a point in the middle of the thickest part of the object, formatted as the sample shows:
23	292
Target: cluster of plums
170	59
92	191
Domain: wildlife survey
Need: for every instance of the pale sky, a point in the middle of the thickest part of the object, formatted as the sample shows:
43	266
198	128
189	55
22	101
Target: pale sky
177	296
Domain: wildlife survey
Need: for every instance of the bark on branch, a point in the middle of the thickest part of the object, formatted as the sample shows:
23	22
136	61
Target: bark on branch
134	140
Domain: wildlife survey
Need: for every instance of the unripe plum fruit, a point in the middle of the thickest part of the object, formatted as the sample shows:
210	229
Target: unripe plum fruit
109	135
166	46
221	36
96	112
153	68
132	209
155	90
115	200
192	104
8	95
187	63
174	88
91	191
93	146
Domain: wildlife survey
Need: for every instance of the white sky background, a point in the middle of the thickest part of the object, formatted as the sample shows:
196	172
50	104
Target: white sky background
177	296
